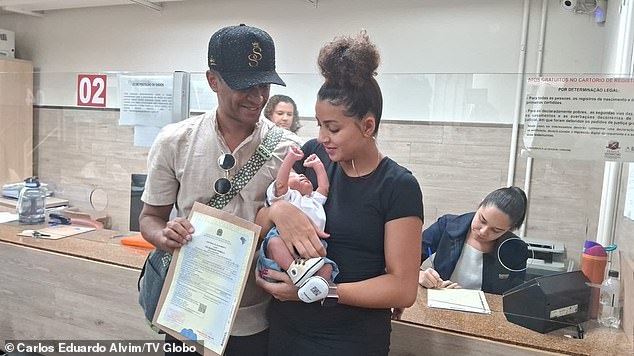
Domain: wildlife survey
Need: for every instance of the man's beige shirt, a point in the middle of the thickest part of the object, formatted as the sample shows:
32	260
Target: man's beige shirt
182	168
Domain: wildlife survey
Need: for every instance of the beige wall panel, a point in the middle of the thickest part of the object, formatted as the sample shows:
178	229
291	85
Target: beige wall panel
16	79
40	302
564	206
98	157
441	201
16	120
397	151
624	236
459	155
309	129
456	166
624	227
486	135
434	176
16	143
417	132
414	340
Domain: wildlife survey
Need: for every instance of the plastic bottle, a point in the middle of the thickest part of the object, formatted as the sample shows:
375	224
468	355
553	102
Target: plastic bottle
31	202
610	310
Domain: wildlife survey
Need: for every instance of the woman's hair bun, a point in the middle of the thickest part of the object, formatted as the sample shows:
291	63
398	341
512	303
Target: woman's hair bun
349	60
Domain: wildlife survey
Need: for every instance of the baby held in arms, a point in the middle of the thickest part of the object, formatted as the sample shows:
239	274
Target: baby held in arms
310	275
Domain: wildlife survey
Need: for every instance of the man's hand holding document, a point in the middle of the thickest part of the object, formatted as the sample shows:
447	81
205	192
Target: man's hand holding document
206	279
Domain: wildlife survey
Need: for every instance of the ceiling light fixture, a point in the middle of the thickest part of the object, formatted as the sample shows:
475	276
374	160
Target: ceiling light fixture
22	11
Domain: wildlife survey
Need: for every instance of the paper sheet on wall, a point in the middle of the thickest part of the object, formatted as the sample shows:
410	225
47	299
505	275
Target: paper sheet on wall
469	300
206	279
580	117
146	100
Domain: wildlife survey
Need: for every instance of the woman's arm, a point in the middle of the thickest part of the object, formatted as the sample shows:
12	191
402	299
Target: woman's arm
399	285
262	219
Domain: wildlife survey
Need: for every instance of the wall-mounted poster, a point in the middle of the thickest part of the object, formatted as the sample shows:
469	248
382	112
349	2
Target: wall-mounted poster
580	117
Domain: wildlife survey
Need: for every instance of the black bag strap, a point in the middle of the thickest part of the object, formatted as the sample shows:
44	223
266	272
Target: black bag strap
262	153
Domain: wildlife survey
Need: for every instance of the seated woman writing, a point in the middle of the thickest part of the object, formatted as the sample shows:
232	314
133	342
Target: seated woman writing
477	250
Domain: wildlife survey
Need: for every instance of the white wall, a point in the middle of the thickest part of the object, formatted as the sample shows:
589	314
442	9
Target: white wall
415	37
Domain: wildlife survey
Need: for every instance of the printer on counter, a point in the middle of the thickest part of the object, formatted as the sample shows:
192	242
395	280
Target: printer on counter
548	257
548	303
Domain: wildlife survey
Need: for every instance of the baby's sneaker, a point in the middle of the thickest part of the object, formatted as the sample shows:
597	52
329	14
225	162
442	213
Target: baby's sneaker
303	268
315	288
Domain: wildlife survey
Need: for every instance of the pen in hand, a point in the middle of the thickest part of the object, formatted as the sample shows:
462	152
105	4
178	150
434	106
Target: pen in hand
438	282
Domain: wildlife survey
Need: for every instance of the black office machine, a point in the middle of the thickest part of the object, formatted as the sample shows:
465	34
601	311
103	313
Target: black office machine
550	302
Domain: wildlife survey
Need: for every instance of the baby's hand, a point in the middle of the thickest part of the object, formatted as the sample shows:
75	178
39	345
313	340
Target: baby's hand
313	162
295	153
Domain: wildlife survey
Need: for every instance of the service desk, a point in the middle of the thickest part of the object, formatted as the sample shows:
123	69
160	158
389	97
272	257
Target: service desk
429	331
82	287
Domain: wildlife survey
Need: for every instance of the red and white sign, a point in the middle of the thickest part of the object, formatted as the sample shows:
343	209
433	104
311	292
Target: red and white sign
91	90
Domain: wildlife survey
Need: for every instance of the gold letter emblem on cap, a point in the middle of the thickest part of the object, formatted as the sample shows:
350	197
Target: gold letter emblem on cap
256	56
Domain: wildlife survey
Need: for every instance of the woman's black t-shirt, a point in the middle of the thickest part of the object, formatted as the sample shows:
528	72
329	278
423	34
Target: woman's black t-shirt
357	209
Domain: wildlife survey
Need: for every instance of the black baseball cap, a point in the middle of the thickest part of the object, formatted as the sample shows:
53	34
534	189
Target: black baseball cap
244	56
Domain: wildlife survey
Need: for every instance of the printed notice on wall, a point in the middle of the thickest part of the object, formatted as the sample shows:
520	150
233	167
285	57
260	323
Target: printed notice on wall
146	100
580	117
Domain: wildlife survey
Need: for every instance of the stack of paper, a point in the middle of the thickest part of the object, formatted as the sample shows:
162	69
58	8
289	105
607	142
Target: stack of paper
468	300
6	217
12	190
57	232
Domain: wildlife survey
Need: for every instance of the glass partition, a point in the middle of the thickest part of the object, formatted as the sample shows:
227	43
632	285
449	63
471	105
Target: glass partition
446	97
452	130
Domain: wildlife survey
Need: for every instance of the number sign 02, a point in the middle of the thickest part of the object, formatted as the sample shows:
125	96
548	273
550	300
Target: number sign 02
91	90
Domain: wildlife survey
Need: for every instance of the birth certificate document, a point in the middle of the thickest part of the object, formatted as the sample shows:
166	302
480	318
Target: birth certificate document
206	279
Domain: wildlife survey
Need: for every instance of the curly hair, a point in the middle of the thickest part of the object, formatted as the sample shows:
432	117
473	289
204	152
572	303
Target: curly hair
348	64
276	99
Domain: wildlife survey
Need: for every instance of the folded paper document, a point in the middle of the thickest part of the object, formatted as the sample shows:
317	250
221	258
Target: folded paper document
468	300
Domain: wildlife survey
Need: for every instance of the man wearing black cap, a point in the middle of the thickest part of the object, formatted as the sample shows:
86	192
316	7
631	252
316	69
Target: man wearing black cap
195	159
